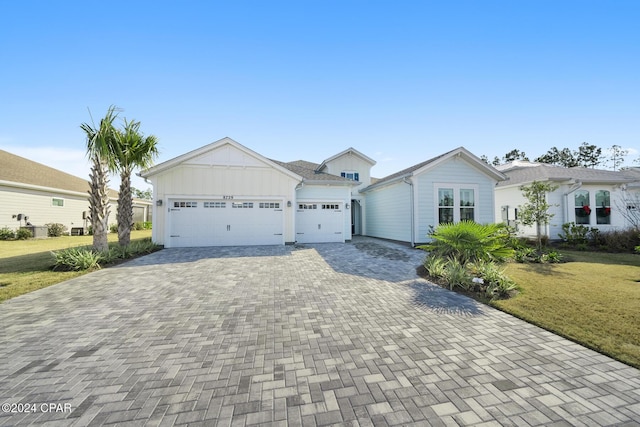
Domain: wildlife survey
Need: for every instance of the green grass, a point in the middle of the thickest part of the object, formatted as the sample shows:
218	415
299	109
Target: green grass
594	299
25	265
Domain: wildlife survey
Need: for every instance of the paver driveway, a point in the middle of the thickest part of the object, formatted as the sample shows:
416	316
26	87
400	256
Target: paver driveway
313	335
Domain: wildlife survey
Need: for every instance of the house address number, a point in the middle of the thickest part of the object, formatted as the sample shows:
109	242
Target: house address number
227	197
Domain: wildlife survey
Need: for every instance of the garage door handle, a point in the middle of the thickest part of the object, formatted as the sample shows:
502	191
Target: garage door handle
319	226
228	228
175	235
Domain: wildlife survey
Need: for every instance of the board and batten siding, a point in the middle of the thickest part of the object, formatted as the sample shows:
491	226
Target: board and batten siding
454	171
217	181
389	212
325	193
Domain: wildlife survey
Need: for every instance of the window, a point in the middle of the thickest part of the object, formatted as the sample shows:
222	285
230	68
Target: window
603	207
467	204
582	208
353	176
215	204
445	205
185	204
269	205
57	202
456	202
303	206
242	205
334	207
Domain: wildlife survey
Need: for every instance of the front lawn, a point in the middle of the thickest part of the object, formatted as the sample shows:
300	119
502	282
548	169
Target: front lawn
25	265
594	299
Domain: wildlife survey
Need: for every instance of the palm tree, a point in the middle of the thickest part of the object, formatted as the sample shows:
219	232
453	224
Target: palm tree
99	149
131	150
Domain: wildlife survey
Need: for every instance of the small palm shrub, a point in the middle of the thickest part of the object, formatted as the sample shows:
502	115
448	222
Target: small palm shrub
76	259
435	266
56	229
495	283
7	234
468	241
23	234
456	275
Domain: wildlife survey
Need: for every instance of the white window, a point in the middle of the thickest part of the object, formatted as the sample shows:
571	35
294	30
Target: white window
242	205
331	206
582	208
455	202
270	205
185	204
354	176
215	204
57	202
603	207
303	206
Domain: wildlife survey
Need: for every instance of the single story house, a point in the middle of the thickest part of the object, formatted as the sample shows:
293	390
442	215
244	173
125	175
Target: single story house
47	195
595	198
225	194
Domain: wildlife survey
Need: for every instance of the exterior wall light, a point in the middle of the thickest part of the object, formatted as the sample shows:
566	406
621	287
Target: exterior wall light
159	202
289	203
347	206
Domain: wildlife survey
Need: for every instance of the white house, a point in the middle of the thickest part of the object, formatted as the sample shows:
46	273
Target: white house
451	187
226	194
47	195
591	197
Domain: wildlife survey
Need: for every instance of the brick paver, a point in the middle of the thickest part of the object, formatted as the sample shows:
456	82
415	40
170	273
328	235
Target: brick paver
320	335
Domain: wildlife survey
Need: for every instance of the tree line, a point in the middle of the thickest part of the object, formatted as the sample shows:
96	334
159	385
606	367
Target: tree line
587	155
116	150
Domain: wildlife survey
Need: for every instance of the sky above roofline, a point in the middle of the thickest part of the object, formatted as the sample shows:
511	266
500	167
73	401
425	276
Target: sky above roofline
401	82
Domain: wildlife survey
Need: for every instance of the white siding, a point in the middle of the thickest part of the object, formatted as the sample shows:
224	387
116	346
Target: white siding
453	171
563	208
320	193
246	177
389	213
37	205
351	162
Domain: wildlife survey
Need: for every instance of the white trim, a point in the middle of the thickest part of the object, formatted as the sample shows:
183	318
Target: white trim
456	200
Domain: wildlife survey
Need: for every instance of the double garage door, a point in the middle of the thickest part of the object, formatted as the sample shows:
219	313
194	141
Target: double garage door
225	222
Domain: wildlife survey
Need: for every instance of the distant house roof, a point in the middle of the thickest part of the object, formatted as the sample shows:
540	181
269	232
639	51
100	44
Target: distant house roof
21	172
461	151
520	172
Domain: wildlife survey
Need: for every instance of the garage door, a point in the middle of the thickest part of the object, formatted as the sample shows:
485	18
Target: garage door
235	222
320	222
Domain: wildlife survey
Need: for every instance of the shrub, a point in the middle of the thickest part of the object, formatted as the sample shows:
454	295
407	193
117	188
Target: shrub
138	226
7	234
525	255
435	266
113	228
620	240
147	225
76	259
469	241
456	274
23	234
574	234
56	229
495	284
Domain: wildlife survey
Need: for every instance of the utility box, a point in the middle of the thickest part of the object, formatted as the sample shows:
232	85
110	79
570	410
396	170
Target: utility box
38	232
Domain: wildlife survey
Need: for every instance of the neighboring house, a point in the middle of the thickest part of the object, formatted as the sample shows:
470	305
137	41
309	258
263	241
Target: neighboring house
47	195
452	187
591	197
226	194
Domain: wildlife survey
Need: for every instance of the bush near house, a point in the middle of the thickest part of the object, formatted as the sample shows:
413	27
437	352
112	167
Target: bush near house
7	234
23	234
55	229
582	237
86	258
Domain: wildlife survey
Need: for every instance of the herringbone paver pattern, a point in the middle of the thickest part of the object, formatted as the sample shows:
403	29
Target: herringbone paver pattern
315	335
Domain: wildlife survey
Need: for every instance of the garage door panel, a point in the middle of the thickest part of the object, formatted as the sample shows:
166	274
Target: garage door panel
319	222
226	223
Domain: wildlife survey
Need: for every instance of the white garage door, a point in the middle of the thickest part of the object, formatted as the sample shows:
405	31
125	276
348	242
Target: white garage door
225	223
320	222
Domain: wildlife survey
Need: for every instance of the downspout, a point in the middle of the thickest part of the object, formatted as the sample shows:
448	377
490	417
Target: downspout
576	185
408	181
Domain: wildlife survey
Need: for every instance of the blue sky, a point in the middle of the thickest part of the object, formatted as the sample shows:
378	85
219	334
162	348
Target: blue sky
399	81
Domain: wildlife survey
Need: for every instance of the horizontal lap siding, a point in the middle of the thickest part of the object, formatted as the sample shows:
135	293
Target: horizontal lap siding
37	205
453	171
388	212
237	181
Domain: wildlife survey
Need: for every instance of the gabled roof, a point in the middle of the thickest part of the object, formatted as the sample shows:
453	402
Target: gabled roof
24	173
210	147
524	172
309	172
351	151
427	164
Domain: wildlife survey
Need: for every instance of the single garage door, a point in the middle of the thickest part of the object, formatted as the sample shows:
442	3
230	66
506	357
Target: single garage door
320	222
237	222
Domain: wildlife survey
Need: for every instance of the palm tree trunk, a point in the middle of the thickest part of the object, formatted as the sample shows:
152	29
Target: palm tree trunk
99	206
125	208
